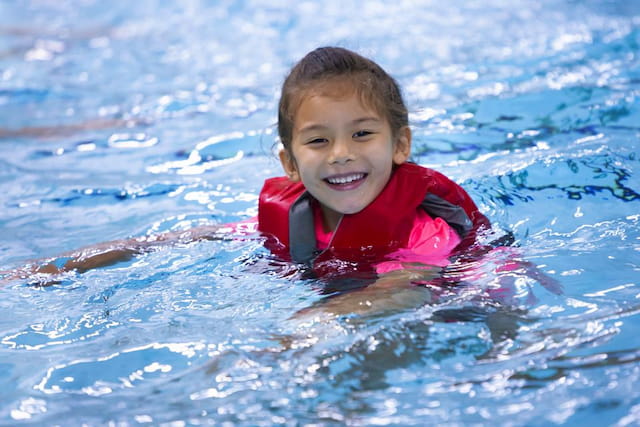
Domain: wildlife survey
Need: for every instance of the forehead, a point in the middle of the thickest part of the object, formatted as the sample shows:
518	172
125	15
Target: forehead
334	87
322	112
339	89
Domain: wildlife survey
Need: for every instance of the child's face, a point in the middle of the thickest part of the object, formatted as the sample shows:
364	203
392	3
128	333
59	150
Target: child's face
343	152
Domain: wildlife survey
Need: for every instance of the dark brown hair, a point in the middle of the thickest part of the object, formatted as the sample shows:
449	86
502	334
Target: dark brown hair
326	65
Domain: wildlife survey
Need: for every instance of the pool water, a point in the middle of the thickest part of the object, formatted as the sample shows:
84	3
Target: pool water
121	119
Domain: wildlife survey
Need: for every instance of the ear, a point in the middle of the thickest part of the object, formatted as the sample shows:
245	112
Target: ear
402	148
289	165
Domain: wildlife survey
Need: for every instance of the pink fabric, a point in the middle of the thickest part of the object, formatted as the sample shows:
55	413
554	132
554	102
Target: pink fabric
430	243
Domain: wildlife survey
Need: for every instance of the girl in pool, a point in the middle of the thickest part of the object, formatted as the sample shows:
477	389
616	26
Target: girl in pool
349	193
350	201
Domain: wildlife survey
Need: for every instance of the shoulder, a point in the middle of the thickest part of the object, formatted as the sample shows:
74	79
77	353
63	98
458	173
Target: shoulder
281	188
432	232
446	199
430	243
425	176
440	185
276	198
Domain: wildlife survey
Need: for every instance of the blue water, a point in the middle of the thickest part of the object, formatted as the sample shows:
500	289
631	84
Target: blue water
122	119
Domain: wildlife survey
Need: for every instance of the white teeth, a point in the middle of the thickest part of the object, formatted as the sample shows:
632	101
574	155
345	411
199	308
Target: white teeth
346	179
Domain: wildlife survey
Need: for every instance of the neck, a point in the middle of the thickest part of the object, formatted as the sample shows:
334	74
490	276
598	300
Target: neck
330	219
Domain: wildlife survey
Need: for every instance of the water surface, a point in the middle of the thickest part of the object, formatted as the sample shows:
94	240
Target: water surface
125	119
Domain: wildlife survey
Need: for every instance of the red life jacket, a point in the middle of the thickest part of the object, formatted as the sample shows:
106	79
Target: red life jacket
285	214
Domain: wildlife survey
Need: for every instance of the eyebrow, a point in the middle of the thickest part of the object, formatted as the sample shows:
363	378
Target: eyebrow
317	126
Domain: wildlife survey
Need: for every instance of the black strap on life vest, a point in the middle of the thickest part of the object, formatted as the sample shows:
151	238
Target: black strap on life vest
303	246
454	215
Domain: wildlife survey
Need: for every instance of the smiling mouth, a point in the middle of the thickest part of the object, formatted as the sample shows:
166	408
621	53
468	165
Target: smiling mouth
346	179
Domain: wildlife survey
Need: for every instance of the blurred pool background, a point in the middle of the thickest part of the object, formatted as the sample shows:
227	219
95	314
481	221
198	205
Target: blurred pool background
121	119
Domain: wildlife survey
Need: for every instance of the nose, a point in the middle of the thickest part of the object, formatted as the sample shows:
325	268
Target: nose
341	151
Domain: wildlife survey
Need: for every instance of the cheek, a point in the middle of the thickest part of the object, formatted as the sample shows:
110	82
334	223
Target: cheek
385	156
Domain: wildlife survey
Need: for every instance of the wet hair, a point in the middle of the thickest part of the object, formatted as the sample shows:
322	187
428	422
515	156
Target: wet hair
329	69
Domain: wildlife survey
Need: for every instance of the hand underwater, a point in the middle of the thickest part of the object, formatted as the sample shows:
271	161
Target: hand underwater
393	291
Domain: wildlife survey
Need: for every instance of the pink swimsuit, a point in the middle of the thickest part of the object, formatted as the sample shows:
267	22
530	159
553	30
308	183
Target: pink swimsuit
430	243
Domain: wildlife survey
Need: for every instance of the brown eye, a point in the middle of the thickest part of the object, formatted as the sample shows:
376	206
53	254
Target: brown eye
362	134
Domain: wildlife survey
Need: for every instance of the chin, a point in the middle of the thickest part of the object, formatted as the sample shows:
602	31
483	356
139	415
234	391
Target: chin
351	210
